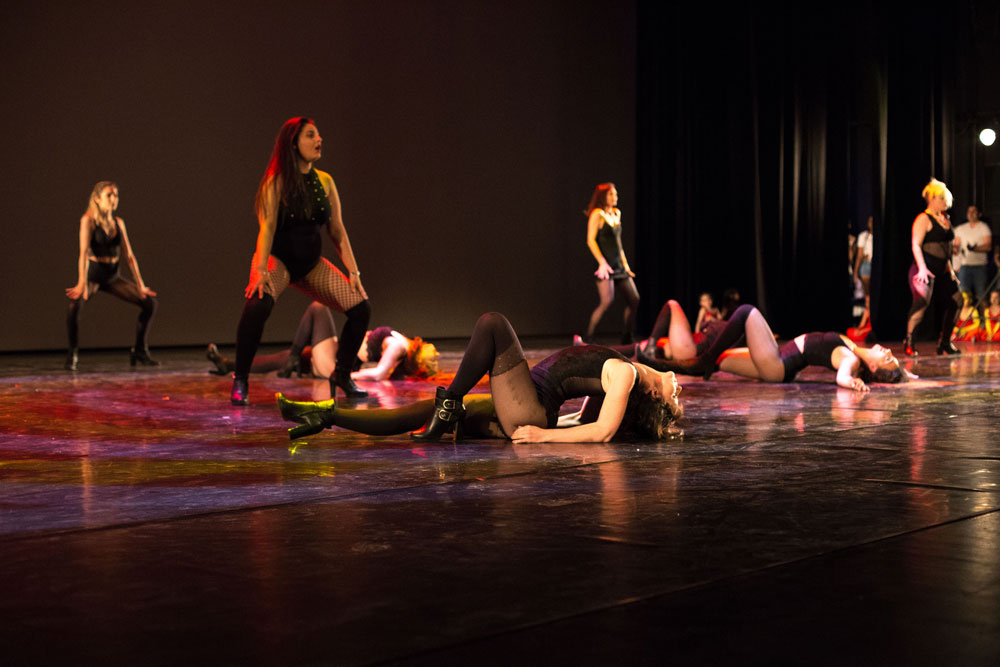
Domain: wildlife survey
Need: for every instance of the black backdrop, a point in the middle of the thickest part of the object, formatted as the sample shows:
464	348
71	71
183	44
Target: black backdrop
763	136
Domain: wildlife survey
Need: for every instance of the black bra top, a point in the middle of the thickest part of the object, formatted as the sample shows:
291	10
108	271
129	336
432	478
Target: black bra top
102	245
939	237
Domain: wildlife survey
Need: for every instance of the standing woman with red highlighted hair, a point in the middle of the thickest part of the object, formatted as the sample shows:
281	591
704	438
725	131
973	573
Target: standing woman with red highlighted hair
604	239
294	201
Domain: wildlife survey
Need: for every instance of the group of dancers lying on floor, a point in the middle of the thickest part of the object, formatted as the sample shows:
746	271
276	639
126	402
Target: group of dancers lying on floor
629	390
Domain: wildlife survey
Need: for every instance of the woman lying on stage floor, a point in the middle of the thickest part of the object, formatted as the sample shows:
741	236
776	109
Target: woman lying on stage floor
315	347
629	397
763	359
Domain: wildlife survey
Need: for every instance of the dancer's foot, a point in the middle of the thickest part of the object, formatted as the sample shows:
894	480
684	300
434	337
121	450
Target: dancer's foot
314	417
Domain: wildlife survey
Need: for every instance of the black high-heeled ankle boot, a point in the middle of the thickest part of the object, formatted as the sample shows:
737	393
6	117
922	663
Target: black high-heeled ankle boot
945	346
314	417
222	365
140	355
342	379
240	394
72	359
449	411
293	364
910	350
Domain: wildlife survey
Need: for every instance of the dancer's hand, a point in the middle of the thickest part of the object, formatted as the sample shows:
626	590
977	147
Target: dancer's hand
528	434
258	281
924	276
604	271
356	284
147	292
77	292
630	272
859	385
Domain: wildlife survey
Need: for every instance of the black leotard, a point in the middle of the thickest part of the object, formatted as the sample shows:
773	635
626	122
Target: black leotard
817	350
609	240
571	373
297	240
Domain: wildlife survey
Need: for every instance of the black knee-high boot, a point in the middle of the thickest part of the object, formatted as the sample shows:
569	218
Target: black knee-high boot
347	350
248	333
705	363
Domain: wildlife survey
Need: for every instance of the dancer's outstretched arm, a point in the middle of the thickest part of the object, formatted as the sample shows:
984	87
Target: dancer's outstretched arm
393	353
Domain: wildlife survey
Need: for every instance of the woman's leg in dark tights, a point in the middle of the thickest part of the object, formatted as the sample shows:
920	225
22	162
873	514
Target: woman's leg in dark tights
316	325
129	291
921	293
250	329
73	322
626	287
606	292
947	299
353	335
480	419
705	363
495	349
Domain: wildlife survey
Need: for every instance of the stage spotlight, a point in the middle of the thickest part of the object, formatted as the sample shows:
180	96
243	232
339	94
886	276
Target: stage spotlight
988	136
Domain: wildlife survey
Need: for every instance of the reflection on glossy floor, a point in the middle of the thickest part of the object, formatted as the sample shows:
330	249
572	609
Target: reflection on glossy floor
145	520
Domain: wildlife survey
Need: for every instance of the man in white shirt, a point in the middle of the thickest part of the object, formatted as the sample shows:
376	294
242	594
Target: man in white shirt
973	243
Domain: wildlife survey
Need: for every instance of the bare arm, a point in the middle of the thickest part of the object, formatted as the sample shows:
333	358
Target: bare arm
267	219
83	262
133	264
393	353
920	229
617	378
338	233
985	246
594	223
847	371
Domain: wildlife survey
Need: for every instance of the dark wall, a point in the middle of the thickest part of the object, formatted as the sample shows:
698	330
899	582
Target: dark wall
465	138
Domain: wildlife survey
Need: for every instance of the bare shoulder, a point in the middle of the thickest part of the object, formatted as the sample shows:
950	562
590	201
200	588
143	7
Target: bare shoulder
922	220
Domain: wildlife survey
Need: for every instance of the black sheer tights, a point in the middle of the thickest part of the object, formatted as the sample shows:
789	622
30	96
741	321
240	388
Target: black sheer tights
494	349
126	291
315	326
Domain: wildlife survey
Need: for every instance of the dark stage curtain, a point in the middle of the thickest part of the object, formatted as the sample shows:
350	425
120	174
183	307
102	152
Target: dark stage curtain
764	137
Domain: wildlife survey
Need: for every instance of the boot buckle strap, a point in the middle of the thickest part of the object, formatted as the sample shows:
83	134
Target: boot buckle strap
446	415
449	404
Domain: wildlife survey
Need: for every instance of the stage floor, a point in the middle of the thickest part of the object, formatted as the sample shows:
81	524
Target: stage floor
144	520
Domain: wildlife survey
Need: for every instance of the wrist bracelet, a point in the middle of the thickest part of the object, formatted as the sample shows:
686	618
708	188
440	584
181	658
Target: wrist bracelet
356	273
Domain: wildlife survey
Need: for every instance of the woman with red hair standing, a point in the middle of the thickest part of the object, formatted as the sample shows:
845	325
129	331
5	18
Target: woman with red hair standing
294	201
604	239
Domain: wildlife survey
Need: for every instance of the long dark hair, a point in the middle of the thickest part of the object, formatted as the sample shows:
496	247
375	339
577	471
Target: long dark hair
283	168
600	197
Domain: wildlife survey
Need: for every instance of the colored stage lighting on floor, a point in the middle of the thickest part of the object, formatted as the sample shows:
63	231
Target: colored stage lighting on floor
988	136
